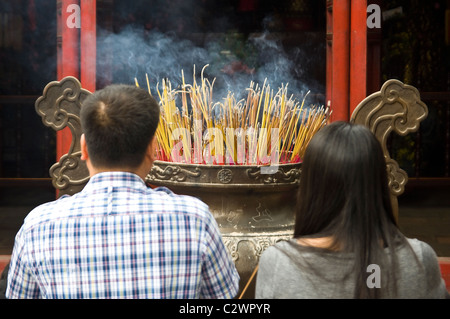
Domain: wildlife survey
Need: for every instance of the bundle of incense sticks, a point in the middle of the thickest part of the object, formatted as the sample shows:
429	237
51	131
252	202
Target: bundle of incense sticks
266	128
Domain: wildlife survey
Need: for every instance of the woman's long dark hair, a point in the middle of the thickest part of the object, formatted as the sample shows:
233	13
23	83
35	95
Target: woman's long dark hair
344	194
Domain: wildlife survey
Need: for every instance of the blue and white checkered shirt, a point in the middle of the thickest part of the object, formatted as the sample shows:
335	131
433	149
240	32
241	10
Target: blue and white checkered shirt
118	238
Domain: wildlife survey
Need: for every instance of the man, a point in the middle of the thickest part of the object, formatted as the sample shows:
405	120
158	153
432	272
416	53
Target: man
118	238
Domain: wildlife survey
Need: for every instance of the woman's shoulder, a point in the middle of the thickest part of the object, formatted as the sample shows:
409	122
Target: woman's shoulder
283	247
422	249
292	250
433	286
279	253
276	249
416	251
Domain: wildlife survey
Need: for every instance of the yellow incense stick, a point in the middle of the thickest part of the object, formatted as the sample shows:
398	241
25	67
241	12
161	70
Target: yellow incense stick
261	110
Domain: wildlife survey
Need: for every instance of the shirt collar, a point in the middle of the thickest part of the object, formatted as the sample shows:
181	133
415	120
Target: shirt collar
114	179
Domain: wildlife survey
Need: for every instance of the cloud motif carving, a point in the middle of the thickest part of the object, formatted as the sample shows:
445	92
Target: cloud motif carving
59	107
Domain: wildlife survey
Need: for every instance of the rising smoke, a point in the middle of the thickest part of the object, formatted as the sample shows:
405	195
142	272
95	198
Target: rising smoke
233	61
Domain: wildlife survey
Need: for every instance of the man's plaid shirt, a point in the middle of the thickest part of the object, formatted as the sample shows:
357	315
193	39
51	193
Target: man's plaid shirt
118	238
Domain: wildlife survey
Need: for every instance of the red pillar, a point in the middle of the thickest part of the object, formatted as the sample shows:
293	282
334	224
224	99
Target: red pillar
76	53
346	56
68	63
88	39
338	78
358	53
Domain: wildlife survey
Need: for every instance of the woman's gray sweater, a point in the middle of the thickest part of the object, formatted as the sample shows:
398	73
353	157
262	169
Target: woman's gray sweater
289	270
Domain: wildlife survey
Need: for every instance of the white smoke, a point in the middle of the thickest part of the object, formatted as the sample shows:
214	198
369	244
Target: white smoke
136	52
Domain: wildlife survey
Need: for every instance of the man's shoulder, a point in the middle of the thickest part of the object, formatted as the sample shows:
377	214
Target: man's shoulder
48	211
168	197
163	202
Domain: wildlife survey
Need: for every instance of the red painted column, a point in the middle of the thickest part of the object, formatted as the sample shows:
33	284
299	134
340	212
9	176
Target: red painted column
76	52
358	53
346	56
88	40
68	63
338	76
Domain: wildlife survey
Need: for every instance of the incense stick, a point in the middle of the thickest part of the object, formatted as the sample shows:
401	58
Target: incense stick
233	131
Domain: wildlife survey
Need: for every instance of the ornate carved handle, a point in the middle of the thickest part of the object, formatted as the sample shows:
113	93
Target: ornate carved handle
59	107
396	107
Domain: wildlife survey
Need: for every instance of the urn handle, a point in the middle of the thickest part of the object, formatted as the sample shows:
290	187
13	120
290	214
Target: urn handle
59	107
396	107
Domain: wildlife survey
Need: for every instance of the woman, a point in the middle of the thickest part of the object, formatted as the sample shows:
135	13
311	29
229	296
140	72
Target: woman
346	241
